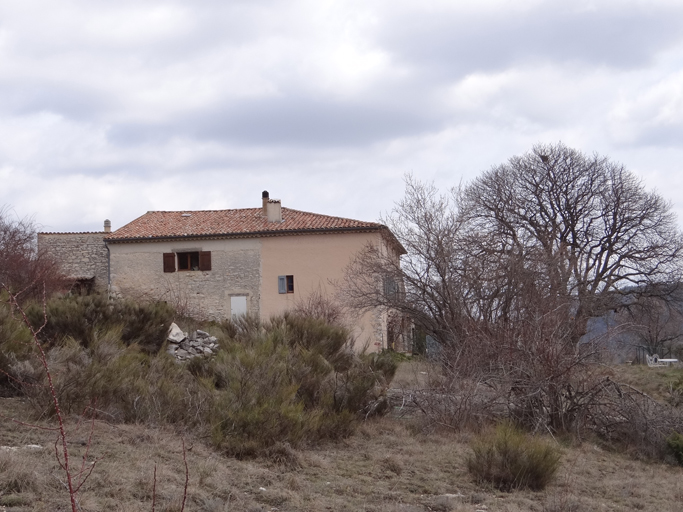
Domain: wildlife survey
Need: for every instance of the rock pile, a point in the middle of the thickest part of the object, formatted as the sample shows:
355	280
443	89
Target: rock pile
197	344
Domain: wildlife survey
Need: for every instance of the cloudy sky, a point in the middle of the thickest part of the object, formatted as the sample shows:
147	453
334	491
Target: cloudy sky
110	109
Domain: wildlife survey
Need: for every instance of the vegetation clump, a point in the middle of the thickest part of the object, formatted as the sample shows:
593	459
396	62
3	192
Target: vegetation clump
285	382
82	318
509	459
675	443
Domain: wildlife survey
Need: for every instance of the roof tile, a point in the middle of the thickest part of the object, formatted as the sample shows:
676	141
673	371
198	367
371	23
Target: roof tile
246	221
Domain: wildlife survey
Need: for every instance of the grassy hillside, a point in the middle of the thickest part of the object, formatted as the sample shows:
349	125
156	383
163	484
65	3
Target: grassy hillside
285	418
388	466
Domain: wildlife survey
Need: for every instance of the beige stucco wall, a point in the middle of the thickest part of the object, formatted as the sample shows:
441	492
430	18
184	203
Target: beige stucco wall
137	271
317	262
248	267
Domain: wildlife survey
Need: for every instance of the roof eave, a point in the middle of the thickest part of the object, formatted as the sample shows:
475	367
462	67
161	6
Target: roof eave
249	234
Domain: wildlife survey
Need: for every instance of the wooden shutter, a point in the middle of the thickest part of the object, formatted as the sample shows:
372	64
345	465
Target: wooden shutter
281	284
169	262
205	260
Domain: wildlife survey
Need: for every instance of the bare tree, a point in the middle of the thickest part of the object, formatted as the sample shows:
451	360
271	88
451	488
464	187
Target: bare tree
583	225
24	270
656	322
505	273
427	283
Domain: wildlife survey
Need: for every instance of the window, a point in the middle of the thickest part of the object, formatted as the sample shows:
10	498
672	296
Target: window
391	288
188	261
285	284
191	260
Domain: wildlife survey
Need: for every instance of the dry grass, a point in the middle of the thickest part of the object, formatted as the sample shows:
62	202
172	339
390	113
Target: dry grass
385	467
656	382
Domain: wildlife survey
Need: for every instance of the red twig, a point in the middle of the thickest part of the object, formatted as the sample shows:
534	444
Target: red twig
154	488
87	447
23	383
187	476
64	462
83	479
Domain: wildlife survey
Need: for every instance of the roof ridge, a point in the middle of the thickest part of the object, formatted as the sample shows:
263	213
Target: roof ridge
212	210
71	232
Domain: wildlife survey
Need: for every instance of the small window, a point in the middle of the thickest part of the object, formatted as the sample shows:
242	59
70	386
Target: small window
193	260
285	284
188	261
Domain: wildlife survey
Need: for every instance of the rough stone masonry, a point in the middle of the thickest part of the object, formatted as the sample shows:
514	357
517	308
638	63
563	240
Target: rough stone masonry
197	344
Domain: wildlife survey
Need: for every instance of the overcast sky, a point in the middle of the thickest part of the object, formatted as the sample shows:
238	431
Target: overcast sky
110	109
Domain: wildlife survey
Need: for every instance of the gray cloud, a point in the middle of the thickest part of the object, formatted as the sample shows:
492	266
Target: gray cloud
456	44
110	109
277	121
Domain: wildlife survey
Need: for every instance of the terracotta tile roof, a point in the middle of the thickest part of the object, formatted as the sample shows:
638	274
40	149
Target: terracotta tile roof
232	223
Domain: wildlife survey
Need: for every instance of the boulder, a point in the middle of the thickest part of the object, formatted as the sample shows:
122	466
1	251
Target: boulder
175	335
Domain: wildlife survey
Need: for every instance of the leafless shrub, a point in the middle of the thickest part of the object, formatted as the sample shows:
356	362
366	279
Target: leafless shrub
632	419
25	271
179	298
319	305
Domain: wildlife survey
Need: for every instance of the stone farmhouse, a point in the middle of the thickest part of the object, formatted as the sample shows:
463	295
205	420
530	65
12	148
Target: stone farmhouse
220	263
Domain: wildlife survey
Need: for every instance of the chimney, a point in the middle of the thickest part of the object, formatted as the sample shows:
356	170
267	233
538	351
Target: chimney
265	197
107	226
274	209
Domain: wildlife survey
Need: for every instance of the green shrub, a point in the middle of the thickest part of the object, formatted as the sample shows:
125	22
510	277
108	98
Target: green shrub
290	380
16	345
285	382
397	357
82	317
509	459
675	444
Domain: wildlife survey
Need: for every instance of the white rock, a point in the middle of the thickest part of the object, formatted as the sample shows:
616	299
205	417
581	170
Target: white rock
175	335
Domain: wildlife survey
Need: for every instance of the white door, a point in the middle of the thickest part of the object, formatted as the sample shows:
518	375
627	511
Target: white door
238	305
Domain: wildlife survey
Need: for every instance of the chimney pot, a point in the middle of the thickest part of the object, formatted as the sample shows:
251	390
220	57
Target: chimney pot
264	197
107	226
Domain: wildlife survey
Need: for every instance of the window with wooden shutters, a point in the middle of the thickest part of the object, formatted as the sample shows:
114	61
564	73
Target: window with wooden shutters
205	260
188	260
194	260
169	262
285	284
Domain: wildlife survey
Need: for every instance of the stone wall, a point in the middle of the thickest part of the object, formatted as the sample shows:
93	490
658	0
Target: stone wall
137	272
80	255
